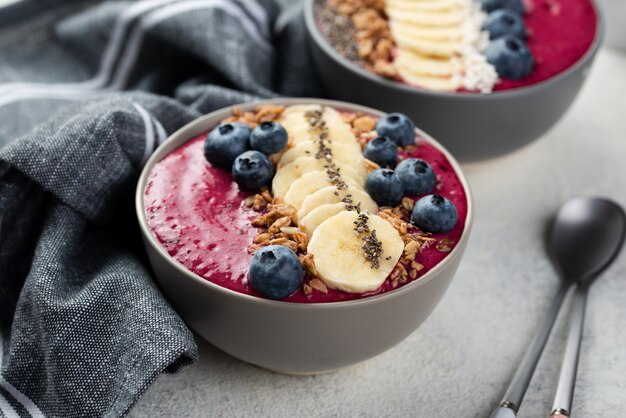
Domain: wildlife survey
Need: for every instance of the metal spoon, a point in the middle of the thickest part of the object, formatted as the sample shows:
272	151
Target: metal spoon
579	223
604	224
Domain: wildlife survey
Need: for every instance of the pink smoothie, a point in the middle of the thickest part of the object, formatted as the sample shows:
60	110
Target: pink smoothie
560	33
196	212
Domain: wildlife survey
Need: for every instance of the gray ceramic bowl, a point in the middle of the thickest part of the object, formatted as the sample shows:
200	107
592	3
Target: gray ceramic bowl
471	126
288	337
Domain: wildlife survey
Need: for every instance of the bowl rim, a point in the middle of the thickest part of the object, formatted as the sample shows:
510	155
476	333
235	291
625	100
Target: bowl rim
320	40
200	125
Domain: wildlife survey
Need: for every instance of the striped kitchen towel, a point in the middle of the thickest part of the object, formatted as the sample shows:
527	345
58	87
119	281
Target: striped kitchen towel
88	89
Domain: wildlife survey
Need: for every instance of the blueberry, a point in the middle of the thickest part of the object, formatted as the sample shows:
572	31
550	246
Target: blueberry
491	5
383	151
434	213
397	127
275	272
385	187
225	143
511	57
417	176
252	170
269	137
505	22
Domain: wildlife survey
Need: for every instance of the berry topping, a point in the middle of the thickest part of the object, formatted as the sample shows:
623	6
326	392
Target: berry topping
275	272
252	170
383	151
225	143
269	138
434	213
504	22
397	127
385	187
511	57
491	5
417	176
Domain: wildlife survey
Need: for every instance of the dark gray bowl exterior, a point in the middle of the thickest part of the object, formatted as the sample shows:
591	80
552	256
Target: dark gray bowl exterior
287	337
472	126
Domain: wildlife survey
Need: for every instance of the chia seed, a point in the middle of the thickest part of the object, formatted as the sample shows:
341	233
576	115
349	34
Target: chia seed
372	247
339	31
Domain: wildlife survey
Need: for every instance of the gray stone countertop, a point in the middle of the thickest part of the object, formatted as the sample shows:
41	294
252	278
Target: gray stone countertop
459	362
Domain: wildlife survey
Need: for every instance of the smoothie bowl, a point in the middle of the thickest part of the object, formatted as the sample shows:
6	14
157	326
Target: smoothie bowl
485	77
303	235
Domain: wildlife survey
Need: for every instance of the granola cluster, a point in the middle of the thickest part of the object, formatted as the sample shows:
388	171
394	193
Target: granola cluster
373	36
277	224
364	129
414	241
263	113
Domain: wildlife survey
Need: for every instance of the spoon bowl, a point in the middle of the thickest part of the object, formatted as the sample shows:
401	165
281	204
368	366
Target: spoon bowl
587	234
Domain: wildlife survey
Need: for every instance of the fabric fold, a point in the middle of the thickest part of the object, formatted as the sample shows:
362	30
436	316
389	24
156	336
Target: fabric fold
84	330
88	323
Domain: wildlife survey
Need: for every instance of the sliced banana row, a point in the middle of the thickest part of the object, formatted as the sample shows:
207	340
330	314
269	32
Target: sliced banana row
342	152
300	160
435	39
308	184
289	173
428	5
301	180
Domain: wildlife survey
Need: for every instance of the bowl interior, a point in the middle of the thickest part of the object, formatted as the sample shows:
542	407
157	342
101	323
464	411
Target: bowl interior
204	124
321	41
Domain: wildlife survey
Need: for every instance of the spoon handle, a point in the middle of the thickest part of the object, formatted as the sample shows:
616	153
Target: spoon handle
517	388
567	377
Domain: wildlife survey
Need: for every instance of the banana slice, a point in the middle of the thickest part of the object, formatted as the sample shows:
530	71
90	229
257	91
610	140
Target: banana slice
284	177
295	120
330	195
431	48
310	183
426	6
339	256
303	108
433	33
429	82
317	216
337	133
341	153
410	62
296	115
422	18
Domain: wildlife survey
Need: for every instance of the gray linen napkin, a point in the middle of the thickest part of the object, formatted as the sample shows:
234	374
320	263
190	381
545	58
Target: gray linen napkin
87	91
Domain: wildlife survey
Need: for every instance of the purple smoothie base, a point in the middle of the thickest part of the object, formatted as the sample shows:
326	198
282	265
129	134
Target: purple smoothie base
560	32
196	212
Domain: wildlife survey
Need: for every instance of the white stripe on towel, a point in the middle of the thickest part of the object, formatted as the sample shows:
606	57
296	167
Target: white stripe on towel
131	53
150	123
109	56
259	14
30	406
127	64
6	409
149	132
161	134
